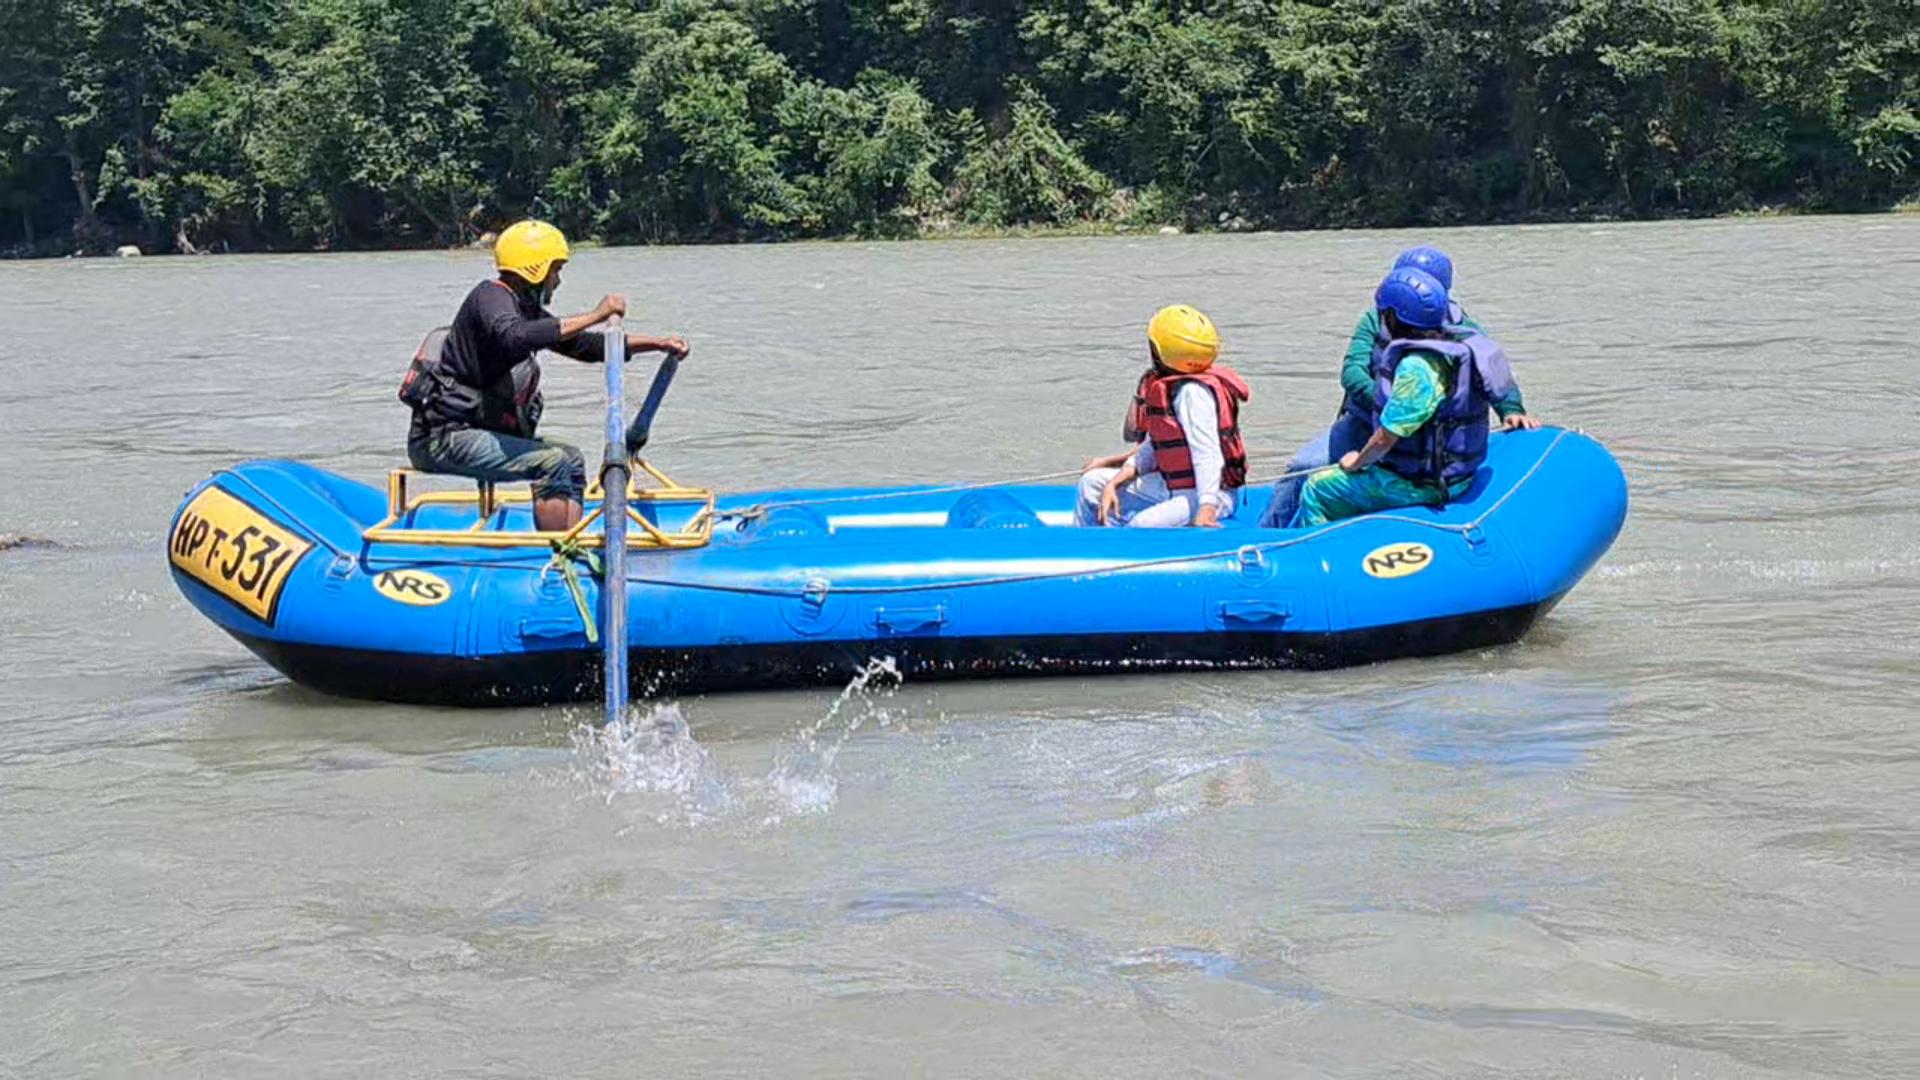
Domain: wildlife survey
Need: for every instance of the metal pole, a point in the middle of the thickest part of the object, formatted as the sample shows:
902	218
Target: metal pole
613	519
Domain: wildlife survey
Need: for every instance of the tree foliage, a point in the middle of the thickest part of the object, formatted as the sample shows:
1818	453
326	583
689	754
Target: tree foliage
194	124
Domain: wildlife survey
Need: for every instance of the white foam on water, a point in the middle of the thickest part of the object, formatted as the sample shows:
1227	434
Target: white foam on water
1788	570
650	759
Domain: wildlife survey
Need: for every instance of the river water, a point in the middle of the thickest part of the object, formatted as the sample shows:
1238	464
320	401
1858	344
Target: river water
1674	833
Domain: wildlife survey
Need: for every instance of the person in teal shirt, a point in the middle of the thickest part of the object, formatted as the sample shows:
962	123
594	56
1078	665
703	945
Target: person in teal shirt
1431	431
1355	421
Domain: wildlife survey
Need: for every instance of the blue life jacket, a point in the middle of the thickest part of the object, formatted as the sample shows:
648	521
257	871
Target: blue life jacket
1365	410
1450	447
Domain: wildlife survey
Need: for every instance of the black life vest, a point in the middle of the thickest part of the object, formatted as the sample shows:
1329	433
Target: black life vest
511	406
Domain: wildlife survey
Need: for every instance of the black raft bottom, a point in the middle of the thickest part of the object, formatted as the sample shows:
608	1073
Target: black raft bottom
575	675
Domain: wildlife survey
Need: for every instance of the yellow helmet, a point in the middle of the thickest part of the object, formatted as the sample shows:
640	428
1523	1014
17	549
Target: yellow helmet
529	249
1183	338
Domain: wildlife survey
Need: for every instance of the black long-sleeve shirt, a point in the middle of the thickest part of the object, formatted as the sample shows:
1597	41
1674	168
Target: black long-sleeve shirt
497	329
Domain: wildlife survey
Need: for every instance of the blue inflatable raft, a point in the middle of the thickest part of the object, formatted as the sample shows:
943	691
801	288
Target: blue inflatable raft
449	597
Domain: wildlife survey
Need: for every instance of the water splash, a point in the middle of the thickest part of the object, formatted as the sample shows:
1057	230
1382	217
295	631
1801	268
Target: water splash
802	777
650	758
653	754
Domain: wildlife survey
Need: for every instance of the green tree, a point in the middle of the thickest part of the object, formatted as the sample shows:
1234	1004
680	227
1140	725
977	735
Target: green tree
31	99
689	142
1029	172
372	122
874	154
348	123
1850	70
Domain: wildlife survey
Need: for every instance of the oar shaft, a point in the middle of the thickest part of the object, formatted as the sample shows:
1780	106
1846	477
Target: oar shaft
642	427
613	517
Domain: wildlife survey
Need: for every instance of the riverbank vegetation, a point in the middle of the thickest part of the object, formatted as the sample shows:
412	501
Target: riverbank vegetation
275	124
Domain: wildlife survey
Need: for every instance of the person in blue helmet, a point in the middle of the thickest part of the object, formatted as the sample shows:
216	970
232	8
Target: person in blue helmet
1434	384
1354	422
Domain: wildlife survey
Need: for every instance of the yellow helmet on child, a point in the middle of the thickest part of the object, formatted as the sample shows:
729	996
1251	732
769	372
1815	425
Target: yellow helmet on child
529	249
1183	338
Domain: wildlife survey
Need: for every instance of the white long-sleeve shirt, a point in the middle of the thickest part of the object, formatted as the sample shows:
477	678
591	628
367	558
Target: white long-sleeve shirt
1199	417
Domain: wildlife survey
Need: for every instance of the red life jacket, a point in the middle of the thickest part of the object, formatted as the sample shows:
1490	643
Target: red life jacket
1151	417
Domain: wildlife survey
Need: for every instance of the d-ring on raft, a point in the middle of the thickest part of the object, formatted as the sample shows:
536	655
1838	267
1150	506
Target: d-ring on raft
451	597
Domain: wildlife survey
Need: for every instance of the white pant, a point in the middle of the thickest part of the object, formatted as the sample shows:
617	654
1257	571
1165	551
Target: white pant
1145	503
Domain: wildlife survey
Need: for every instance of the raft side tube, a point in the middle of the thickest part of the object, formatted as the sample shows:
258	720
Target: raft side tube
949	582
535	678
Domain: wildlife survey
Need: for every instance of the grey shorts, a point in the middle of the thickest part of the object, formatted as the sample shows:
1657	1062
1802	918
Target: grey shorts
556	470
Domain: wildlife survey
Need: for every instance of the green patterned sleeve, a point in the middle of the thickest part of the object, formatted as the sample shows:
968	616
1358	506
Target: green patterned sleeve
1418	390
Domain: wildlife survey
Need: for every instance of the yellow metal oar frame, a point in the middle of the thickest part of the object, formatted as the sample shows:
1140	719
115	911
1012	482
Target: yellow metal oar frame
696	533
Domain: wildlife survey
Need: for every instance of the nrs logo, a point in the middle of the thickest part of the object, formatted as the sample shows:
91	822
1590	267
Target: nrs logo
416	587
1397	560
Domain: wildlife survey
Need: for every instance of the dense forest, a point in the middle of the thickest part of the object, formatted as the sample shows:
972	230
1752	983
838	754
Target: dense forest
294	124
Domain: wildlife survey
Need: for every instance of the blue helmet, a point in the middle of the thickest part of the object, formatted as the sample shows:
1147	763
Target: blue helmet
1432	260
1415	296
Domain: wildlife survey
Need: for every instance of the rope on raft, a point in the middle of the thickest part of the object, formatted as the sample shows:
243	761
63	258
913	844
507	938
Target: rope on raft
758	510
565	554
1459	529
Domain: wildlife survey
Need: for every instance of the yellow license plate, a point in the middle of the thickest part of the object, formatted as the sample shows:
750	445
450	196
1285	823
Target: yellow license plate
236	551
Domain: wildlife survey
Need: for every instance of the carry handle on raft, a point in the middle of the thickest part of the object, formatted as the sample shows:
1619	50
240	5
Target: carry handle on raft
613	485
